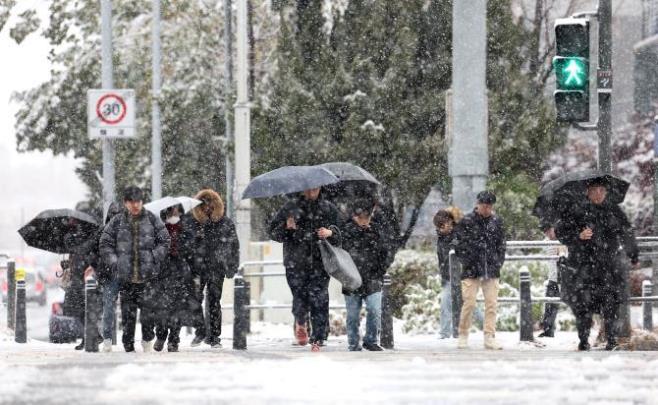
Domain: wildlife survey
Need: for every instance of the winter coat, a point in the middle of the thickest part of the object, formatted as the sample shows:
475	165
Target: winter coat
593	273
82	248
175	297
444	244
611	230
368	249
300	246
480	246
117	245
103	272
215	248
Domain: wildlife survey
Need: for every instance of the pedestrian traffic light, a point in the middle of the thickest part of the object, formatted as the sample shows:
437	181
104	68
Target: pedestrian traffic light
571	65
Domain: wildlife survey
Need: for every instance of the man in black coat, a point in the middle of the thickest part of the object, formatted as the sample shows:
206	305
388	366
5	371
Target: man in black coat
215	255
480	246
592	282
133	246
365	241
299	224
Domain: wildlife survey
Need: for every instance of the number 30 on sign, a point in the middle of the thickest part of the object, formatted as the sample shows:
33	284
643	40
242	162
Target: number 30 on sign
111	113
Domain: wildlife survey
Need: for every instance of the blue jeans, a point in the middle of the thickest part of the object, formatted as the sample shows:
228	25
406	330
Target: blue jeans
445	316
110	293
373	318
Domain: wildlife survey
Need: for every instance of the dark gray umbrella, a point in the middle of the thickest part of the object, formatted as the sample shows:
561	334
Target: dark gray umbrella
288	179
556	196
47	230
348	172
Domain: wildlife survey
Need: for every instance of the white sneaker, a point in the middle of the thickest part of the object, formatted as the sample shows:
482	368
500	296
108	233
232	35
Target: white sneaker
147	346
462	342
491	344
107	345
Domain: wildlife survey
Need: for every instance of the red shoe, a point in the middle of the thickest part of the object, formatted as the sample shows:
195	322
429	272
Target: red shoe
315	347
301	334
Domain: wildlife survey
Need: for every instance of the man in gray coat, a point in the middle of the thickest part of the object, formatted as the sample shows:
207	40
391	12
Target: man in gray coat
134	245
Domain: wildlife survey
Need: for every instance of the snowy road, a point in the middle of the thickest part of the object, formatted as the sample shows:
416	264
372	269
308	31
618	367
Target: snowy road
421	370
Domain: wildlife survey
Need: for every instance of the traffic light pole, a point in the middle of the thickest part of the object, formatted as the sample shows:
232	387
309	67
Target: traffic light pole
603	126
604	87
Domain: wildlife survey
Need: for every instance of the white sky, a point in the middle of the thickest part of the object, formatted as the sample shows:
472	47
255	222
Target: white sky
29	182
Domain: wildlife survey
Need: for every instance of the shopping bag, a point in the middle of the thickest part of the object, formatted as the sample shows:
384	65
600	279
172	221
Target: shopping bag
339	265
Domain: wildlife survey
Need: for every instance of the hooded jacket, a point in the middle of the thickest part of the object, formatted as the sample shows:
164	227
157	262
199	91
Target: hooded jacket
215	246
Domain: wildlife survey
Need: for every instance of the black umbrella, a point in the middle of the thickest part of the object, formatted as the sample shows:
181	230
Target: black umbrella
355	183
48	229
558	195
349	172
288	179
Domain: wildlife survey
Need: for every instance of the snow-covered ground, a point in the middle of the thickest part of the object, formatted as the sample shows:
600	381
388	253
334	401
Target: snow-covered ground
422	369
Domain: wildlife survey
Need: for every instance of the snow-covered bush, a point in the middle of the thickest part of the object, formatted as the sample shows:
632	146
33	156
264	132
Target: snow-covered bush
421	312
409	272
417	288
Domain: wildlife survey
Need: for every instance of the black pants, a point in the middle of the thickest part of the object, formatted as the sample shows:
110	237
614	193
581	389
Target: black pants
550	310
606	304
310	293
213	285
169	329
132	299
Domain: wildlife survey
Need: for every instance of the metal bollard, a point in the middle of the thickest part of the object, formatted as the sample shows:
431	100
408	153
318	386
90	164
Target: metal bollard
247	294
239	316
20	332
647	307
386	339
11	295
526	305
456	291
115	323
92	305
206	310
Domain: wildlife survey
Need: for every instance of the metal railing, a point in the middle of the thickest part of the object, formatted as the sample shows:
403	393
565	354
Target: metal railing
525	299
242	305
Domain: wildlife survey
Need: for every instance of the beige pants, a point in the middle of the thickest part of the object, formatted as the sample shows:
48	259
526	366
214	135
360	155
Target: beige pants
470	288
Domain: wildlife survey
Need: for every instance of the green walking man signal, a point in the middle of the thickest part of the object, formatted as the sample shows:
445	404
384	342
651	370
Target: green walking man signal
571	65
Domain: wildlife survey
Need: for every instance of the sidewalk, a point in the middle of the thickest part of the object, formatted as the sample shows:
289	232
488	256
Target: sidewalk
422	369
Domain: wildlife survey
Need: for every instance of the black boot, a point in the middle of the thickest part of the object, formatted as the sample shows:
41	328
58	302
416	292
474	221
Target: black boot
81	346
584	346
158	345
612	344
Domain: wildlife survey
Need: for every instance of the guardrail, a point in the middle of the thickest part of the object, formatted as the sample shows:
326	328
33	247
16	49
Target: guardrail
525	300
242	305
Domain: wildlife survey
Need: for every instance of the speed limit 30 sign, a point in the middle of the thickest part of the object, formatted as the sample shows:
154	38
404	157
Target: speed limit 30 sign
111	113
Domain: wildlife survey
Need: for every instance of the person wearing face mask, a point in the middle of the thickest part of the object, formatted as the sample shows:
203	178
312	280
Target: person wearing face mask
215	255
177	302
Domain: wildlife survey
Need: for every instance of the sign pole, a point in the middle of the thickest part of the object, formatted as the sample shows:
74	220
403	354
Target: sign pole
242	133
107	83
156	142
